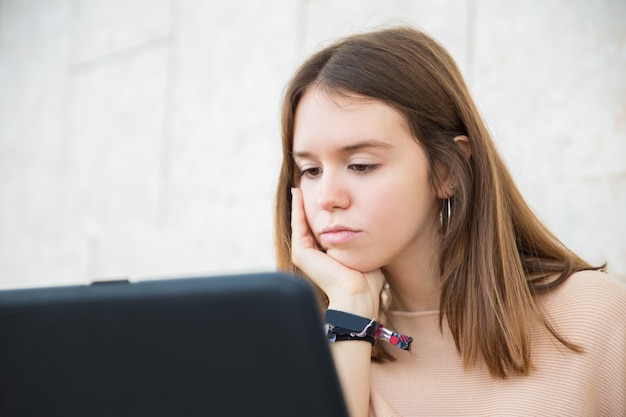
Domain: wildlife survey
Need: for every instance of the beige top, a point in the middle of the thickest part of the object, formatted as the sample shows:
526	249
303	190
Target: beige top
589	310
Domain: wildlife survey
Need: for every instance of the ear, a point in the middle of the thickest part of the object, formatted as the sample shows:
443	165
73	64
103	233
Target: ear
446	190
463	142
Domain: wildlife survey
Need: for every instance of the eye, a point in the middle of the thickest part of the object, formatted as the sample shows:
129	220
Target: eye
362	167
310	172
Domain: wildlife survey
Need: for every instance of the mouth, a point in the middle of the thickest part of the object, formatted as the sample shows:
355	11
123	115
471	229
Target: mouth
337	235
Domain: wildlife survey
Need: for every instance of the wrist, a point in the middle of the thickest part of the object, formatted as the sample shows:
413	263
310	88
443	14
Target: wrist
360	307
341	325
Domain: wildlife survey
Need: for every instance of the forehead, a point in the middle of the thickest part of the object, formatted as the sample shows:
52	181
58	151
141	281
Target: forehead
329	118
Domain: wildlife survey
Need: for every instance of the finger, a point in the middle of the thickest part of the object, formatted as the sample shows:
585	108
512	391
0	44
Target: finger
301	236
305	252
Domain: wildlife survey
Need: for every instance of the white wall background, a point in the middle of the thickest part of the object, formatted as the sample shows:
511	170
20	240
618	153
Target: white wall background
140	138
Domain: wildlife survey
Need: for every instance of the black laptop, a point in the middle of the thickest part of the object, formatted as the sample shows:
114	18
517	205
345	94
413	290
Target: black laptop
239	345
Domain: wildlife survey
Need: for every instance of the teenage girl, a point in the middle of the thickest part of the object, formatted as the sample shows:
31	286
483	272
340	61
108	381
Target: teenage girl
445	294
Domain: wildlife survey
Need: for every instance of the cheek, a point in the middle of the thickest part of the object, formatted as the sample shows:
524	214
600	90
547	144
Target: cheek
404	204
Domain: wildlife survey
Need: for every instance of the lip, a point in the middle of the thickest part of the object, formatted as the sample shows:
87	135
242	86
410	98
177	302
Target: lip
337	235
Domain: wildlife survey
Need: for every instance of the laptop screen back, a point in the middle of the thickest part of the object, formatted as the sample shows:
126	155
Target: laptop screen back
244	345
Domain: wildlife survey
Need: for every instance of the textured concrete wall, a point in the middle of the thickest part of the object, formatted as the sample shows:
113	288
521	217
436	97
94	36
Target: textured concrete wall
140	137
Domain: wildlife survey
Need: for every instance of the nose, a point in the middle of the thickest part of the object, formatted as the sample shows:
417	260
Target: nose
332	193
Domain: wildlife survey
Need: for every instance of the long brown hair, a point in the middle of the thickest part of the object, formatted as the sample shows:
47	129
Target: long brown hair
495	254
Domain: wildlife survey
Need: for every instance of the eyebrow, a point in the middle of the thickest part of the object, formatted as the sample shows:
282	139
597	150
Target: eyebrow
351	148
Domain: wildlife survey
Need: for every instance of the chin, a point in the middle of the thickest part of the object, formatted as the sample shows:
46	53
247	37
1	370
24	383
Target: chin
361	263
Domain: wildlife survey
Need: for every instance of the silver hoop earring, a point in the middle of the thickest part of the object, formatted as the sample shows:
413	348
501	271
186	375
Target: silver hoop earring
447	208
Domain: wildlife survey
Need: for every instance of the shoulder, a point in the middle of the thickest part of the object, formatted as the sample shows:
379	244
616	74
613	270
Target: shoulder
588	305
594	289
589	309
595	278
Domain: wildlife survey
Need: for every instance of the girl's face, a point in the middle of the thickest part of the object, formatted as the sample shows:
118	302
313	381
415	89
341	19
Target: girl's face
365	181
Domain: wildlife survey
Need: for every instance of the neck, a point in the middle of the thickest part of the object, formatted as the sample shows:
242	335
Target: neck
414	283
